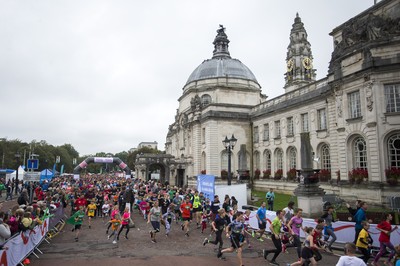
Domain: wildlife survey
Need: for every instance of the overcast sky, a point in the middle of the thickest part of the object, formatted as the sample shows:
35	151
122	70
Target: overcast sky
106	75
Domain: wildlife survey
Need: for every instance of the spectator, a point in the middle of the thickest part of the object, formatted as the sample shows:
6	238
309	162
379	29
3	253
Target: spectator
270	197
359	217
5	231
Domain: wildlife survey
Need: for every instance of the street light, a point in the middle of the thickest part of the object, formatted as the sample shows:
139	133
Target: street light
17	156
229	144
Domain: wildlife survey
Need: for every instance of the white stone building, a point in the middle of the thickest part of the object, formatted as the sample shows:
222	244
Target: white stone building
352	115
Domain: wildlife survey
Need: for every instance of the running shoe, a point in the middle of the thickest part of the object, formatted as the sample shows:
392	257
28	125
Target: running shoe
219	255
187	234
76	239
114	242
260	239
205	241
108	237
265	254
253	234
272	262
126	237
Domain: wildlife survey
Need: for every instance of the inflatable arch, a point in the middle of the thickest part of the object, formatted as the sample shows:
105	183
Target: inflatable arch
115	160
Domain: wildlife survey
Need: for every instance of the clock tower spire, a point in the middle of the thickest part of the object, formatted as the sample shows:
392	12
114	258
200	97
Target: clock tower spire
299	58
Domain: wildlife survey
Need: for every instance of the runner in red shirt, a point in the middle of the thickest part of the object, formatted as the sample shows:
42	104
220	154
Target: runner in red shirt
81	201
384	239
186	208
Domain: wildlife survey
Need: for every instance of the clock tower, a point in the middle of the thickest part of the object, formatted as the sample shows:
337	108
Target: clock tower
299	59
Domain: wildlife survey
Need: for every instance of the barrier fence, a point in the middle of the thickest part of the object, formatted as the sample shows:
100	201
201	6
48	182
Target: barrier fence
21	245
344	231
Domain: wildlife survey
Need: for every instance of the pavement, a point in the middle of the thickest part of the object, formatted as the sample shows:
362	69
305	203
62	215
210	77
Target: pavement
93	248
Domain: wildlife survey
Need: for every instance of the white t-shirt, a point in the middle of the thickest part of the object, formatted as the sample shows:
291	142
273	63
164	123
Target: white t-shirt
350	261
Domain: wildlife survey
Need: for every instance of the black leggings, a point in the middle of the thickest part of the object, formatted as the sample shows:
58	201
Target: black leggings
122	227
218	239
278	247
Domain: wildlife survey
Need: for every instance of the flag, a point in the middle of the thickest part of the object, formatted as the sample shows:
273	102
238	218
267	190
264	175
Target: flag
62	169
54	169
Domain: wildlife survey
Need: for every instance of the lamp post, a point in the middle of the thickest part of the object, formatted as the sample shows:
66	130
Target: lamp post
229	145
17	156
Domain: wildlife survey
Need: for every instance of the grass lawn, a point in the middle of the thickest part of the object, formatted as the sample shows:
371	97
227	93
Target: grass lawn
281	200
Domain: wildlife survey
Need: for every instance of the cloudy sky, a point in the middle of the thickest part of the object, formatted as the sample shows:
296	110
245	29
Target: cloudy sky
106	75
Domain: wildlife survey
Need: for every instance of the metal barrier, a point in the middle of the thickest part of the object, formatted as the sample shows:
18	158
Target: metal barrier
22	245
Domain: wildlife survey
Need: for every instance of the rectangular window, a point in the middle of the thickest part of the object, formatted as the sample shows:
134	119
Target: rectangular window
290	130
392	98
321	119
255	135
266	132
277	129
304	122
203	135
354	104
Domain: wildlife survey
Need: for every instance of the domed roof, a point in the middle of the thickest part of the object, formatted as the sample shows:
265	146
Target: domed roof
221	67
221	64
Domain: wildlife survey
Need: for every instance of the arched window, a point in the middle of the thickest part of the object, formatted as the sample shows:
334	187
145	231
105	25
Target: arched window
224	160
267	159
205	99
292	158
279	159
325	157
394	150
360	153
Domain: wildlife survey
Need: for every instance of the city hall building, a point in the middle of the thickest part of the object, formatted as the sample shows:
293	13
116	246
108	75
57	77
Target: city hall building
352	115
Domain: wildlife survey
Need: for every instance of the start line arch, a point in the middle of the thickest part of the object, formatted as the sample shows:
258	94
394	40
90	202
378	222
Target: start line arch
115	160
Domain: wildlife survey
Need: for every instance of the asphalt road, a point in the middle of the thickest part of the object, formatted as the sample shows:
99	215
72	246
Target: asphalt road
94	248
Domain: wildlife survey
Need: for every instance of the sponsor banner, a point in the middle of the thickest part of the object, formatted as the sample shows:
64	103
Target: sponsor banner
206	184
103	159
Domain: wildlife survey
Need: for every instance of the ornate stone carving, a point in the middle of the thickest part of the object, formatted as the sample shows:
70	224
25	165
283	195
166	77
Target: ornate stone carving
356	33
369	95
195	103
339	101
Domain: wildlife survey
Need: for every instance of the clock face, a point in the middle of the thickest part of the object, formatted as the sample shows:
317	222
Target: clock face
290	65
307	63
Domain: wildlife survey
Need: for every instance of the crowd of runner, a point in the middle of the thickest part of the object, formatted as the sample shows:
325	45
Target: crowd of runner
113	198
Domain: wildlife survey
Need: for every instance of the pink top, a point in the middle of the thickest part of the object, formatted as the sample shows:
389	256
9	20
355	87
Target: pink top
125	218
113	213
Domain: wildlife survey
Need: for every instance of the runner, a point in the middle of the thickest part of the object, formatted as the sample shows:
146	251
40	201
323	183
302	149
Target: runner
364	242
197	208
113	213
237	237
328	229
294	225
262	220
275	228
218	226
126	217
307	253
76	220
115	225
384	238
91	211
154	217
186	208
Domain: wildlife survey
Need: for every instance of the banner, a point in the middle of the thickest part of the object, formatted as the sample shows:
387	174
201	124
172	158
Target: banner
206	184
22	244
344	231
